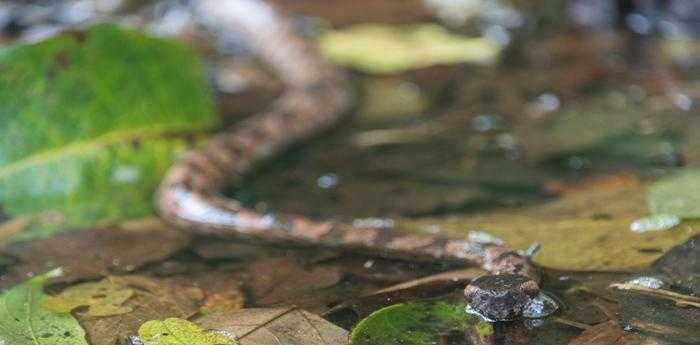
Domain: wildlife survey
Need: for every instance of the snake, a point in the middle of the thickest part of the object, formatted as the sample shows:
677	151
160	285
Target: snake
315	97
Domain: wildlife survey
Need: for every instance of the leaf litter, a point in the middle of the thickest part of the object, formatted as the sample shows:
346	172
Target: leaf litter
289	326
95	253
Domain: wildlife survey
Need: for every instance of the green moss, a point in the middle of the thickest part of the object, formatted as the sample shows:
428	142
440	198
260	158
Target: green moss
92	120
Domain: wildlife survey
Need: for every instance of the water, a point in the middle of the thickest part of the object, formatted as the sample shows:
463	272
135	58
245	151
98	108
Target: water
576	104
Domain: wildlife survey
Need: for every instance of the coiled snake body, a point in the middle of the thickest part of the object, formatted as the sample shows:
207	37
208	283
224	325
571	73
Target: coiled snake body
315	97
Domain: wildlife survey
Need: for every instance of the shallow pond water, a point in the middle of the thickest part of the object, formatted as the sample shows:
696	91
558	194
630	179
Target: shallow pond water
555	141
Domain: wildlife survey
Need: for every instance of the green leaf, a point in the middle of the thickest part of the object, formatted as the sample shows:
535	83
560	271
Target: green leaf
417	324
24	321
103	298
677	195
92	120
175	331
376	48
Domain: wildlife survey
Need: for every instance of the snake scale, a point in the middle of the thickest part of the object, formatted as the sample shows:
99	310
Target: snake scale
314	98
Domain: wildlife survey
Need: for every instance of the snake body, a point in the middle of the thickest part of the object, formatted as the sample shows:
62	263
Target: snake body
315	97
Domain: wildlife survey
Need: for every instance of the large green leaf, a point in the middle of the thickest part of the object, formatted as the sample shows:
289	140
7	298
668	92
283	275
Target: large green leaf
417	324
92	120
24	321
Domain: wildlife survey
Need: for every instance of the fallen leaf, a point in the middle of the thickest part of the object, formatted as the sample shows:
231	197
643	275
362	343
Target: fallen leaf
580	129
24	320
671	311
175	331
387	98
422	323
588	230
217	250
71	143
609	333
279	281
96	253
676	195
381	48
103	298
288	326
682	264
230	300
152	300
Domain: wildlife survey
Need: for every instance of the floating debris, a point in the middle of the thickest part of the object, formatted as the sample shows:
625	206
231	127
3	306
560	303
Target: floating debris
647	282
382	49
659	222
380	223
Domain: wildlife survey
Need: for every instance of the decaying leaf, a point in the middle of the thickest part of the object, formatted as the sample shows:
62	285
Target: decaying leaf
609	333
279	281
391	98
175	331
230	300
103	298
378	48
587	230
95	253
24	320
152	300
69	140
682	265
288	326
677	195
671	308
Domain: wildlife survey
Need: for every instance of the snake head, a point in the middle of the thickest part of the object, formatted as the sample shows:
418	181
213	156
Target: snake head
501	297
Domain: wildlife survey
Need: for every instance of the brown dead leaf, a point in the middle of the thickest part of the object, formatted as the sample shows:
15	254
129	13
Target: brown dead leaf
605	182
218	250
231	300
287	326
152	300
609	333
281	281
95	253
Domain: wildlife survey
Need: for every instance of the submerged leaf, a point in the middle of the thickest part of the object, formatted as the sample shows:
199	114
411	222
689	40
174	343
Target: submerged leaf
175	331
89	255
286	326
586	230
677	195
24	321
417	324
609	333
378	48
103	298
91	120
152	300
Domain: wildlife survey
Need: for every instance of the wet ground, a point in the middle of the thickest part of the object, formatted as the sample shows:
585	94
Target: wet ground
557	142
